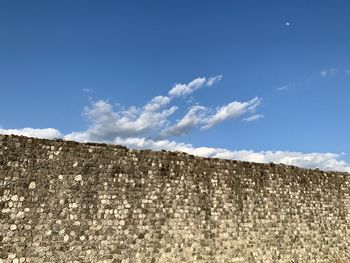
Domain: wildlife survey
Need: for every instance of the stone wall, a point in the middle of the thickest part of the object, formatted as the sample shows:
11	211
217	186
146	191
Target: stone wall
67	202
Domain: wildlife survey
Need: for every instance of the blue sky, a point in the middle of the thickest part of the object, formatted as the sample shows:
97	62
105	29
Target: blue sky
88	70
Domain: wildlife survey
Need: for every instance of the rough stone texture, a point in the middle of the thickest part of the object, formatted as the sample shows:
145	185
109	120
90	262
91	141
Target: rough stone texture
67	202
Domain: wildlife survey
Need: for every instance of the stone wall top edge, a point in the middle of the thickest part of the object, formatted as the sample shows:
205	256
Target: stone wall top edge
69	143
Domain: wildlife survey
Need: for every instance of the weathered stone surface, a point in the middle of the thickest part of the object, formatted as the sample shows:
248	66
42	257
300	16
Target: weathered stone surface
32	185
61	201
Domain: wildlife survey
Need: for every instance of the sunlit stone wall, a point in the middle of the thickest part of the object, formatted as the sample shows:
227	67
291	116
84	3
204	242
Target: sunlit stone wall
62	201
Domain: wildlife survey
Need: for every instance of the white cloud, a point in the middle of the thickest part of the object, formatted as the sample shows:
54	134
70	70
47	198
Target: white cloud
329	72
254	118
332	72
87	90
232	110
48	133
198	115
156	103
83	136
153	119
192	119
212	80
285	87
186	89
107	124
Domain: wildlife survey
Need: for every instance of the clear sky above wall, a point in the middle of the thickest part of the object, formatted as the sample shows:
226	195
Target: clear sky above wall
253	80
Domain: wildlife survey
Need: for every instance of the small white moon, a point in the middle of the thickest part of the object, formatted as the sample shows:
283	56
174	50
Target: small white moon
287	24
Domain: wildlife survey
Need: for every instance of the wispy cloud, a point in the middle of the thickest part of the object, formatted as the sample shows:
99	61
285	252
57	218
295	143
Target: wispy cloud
186	89
212	80
231	110
87	90
285	87
191	120
253	118
204	117
107	123
331	72
153	120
